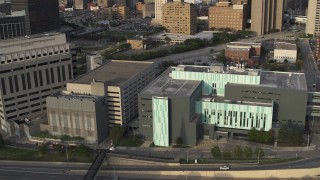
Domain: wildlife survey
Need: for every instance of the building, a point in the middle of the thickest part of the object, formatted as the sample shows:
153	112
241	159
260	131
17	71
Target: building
32	68
79	4
180	38
266	16
179	17
41	16
93	61
79	115
92	6
285	51
140	43
313	21
226	15
139	6
5	7
13	25
123	80
117	13
148	10
195	102
104	3
240	52
158	11
120	3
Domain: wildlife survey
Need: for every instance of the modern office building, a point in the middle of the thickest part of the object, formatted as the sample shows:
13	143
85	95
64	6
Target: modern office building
285	51
226	15
78	114
266	16
41	16
193	102
13	25
32	68
140	43
179	17
313	18
123	80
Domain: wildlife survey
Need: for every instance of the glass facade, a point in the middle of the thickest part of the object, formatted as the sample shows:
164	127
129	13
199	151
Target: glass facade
213	83
239	116
160	114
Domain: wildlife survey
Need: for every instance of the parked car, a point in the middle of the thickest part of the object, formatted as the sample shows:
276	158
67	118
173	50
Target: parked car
224	167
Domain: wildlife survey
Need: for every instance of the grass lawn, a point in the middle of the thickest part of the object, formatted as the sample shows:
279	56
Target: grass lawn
122	33
9	153
129	142
254	160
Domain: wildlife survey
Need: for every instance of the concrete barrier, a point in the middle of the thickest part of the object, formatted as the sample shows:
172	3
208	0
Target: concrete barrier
291	173
136	162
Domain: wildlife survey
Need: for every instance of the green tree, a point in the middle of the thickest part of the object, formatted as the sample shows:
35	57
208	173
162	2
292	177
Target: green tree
42	149
269	136
179	140
286	61
237	151
299	64
1	141
248	152
167	39
252	134
83	150
215	152
116	133
226	154
259	152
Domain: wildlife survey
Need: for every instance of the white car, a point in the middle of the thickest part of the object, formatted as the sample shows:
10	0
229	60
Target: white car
224	167
112	149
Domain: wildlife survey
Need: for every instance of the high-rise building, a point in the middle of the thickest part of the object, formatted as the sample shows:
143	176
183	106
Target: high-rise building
13	25
120	3
32	68
266	16
158	10
179	17
148	10
313	22
41	16
226	15
104	3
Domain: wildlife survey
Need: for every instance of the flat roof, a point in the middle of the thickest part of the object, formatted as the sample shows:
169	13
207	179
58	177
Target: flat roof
164	86
114	73
284	80
222	100
286	46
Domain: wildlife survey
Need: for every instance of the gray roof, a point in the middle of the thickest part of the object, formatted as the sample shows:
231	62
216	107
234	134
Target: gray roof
165	86
284	80
286	46
114	73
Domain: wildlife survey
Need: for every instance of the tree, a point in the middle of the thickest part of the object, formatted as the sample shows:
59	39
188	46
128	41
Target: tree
83	150
179	140
286	61
116	133
248	152
167	39
42	149
1	141
216	153
269	136
226	154
252	134
237	151
259	152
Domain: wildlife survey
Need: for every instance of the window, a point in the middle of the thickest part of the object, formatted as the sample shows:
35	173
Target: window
16	83
4	90
52	76
29	80
11	85
40	77
35	78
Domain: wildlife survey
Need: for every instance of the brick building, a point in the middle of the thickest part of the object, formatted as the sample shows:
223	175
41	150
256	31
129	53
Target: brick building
243	52
226	15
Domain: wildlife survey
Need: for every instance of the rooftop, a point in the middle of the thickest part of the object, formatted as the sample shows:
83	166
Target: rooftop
222	100
67	94
284	80
217	69
164	86
286	46
114	73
